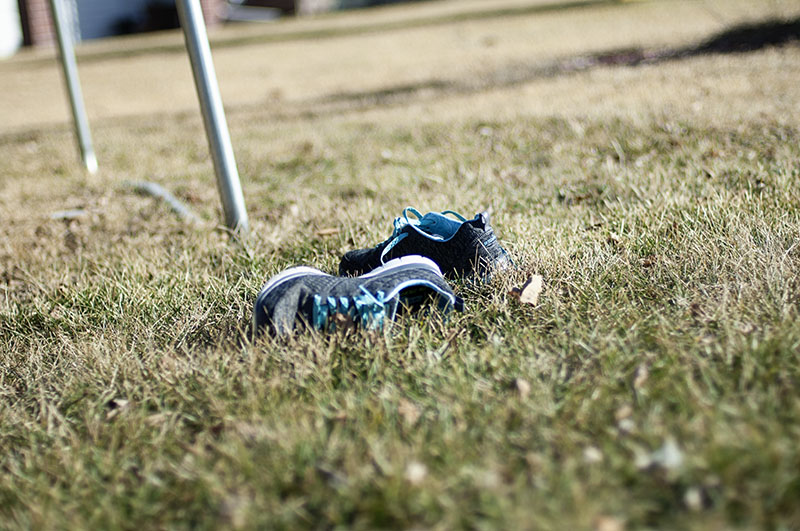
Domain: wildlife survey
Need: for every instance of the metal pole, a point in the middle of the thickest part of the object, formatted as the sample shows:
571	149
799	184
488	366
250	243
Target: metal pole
67	52
219	140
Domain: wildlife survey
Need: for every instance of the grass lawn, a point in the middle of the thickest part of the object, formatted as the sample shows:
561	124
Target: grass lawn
654	183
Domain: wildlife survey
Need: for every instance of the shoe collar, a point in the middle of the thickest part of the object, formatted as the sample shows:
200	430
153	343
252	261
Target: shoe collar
436	226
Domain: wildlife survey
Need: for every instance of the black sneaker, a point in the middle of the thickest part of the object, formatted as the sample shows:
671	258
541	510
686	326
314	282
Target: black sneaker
322	301
458	246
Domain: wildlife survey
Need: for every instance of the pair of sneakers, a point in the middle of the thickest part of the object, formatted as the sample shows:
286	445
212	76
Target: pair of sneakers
403	273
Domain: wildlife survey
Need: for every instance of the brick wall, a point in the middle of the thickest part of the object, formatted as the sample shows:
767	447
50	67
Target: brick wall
37	24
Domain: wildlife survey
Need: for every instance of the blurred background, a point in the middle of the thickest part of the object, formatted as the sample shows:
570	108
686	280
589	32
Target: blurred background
28	23
313	54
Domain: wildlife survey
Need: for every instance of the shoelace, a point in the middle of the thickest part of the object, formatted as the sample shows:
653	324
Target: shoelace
421	226
366	310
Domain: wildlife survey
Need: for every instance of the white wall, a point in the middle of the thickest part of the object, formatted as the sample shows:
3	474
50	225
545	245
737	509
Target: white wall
98	17
10	29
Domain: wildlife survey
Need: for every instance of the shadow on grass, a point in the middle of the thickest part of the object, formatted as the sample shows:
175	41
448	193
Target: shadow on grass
739	39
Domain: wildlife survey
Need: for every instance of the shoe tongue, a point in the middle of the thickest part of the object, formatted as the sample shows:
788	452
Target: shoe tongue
438	225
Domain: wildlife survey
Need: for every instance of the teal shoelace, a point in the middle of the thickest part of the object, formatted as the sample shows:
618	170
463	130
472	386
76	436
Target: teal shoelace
366	310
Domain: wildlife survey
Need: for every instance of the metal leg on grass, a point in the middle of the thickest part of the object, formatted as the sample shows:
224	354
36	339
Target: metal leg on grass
205	80
67	53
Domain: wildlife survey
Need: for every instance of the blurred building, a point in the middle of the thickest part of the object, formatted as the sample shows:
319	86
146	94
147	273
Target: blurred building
29	21
92	19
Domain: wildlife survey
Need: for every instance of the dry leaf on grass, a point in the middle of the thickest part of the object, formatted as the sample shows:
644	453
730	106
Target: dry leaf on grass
640	377
693	499
408	411
529	292
523	387
608	523
668	457
327	232
592	455
115	407
416	472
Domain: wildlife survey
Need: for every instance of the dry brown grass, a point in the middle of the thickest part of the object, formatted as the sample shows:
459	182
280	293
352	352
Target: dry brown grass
659	202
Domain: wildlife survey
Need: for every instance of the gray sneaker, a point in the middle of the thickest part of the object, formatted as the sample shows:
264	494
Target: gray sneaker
460	247
320	301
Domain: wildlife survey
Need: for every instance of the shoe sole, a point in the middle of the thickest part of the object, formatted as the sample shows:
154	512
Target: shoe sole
396	264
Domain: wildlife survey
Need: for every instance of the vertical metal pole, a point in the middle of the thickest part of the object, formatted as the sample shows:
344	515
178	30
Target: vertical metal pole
205	80
67	52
